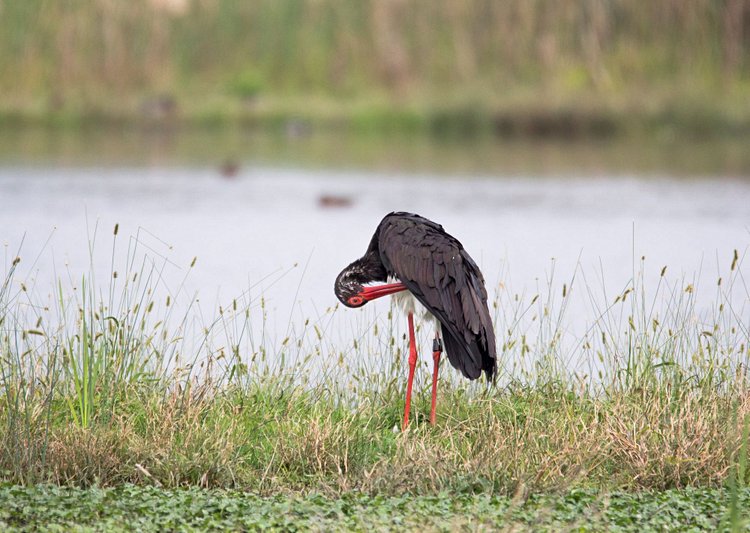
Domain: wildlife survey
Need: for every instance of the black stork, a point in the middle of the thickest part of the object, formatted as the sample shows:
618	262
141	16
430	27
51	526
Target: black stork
430	273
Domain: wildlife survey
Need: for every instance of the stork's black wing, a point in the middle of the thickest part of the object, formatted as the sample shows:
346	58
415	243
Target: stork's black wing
445	279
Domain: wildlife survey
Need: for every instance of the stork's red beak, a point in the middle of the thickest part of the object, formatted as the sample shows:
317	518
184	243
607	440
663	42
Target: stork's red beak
377	291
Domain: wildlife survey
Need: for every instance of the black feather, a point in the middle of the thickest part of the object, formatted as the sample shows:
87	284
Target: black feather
445	279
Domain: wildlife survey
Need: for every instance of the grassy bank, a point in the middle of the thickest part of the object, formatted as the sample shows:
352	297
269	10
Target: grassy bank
131	507
535	117
111	382
566	68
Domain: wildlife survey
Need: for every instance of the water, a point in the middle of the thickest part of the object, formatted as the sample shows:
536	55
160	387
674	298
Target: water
266	231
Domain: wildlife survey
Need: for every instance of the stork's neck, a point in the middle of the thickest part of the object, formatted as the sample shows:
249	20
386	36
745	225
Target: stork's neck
370	266
365	270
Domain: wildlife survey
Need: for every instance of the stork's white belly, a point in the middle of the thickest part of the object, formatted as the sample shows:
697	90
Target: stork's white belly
406	301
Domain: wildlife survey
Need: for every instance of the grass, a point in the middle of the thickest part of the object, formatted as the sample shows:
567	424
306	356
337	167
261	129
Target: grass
130	507
123	381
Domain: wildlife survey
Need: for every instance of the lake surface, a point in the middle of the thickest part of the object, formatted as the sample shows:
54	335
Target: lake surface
272	230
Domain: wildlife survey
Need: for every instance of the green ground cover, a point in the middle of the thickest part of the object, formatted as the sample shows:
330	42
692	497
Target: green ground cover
129	508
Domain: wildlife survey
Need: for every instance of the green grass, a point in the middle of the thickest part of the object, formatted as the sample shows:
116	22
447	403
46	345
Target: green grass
129	507
119	382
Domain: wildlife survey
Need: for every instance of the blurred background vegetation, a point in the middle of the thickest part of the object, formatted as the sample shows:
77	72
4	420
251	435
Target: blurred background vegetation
512	68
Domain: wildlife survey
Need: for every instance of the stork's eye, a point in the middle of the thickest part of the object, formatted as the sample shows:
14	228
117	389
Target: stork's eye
355	300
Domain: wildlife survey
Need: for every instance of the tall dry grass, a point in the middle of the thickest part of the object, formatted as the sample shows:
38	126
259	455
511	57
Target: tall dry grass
97	53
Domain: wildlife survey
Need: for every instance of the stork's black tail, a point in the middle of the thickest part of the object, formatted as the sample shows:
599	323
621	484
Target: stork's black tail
471	360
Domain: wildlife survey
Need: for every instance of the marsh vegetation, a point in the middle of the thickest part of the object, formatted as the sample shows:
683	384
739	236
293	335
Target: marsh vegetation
568	68
110	382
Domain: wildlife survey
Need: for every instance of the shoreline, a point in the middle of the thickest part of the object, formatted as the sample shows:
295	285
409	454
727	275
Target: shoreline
451	122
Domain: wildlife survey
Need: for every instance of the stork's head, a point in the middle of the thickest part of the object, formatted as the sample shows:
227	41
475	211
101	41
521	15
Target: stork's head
350	284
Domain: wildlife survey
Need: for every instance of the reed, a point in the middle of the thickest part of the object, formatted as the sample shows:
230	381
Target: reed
538	64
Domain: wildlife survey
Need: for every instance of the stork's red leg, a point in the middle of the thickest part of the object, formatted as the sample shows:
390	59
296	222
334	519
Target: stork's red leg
412	365
437	349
